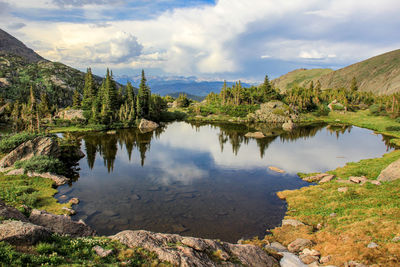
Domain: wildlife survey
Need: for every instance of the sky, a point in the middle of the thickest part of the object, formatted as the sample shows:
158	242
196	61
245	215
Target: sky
212	40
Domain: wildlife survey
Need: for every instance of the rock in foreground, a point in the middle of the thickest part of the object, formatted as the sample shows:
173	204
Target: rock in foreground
391	172
22	233
61	224
190	251
147	126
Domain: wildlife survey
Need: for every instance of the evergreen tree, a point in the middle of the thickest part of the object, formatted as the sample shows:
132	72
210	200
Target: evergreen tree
76	99
143	99
89	90
109	100
32	110
354	86
44	109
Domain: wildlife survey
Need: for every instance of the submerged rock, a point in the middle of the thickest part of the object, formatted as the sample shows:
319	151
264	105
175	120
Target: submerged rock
196	251
61	224
40	146
147	126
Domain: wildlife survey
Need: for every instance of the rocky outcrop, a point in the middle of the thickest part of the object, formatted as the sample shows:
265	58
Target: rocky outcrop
273	111
40	146
147	126
254	135
71	114
190	251
7	212
299	245
61	224
22	233
391	172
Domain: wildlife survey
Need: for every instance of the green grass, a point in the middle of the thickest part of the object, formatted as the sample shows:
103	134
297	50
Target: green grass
76	128
66	251
35	192
41	164
11	141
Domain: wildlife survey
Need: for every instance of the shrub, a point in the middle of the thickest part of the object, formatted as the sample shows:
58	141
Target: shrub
41	164
322	111
9	142
377	109
393	128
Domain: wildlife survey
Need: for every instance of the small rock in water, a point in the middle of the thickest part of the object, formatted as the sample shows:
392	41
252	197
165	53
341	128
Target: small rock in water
70	211
102	252
63	197
275	169
373	245
74	201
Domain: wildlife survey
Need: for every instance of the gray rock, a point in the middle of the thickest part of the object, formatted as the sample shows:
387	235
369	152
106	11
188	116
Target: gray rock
60	224
101	252
292	222
74	201
8	212
299	245
197	251
308	259
291	260
325	259
147	126
40	146
391	172
58	179
326	179
278	247
256	135
373	245
375	182
311	252
358	179
69	211
315	178
22	233
273	111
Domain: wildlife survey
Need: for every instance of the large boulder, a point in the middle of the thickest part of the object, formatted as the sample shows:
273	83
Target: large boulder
8	212
147	126
71	114
391	172
40	146
61	224
22	233
191	251
273	111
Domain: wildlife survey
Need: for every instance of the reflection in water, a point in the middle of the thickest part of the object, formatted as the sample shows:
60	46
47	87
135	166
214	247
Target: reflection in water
204	180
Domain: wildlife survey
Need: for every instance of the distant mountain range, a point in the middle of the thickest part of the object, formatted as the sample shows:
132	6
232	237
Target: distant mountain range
178	84
379	74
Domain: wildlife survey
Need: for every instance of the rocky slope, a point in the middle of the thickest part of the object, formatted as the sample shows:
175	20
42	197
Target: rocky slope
379	74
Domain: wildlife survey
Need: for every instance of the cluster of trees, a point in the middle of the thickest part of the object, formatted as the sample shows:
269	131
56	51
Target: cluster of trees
107	104
313	98
239	95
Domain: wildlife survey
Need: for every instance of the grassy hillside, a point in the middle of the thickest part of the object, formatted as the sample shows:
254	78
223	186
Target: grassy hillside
300	77
379	74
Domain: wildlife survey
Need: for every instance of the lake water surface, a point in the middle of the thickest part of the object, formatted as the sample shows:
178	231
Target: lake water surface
203	180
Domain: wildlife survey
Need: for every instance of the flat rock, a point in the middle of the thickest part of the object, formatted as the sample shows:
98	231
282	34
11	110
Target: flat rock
391	172
325	259
22	233
375	182
147	126
299	245
254	135
326	179
308	259
40	146
278	247
292	222
358	179
8	212
16	172
311	252
60	224
58	179
275	169
372	245
196	251
291	260
315	178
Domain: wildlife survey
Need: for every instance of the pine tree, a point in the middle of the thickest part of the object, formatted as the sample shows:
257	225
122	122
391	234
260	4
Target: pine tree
109	101
143	99
354	86
89	90
32	108
44	109
76	99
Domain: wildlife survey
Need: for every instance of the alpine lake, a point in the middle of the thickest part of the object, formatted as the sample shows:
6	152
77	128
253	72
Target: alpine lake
203	180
